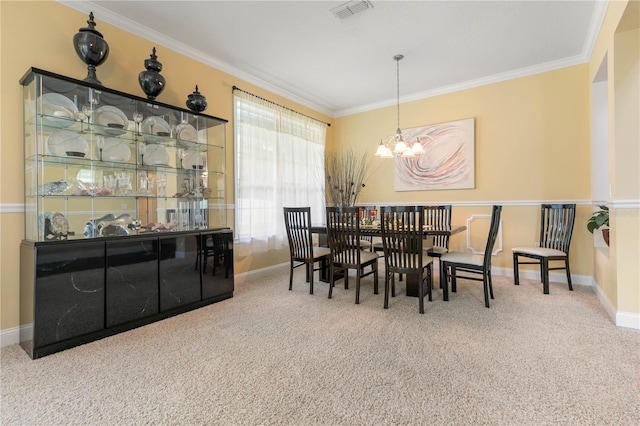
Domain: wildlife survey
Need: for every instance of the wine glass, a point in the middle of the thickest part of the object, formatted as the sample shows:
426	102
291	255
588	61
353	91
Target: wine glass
87	110
137	117
80	116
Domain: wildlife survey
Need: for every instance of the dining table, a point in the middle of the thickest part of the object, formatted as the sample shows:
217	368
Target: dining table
375	231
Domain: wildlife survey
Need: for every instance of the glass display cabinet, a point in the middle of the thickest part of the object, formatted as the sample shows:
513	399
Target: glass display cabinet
102	163
125	212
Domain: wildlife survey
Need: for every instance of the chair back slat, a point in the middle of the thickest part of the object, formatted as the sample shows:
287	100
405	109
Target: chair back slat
493	235
402	237
439	217
343	235
556	226
297	222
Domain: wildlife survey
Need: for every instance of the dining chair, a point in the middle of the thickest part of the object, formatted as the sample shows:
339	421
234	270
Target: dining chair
297	222
438	217
454	262
556	227
343	235
403	239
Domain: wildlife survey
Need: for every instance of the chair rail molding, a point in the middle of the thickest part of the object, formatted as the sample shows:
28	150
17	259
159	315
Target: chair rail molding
474	217
12	208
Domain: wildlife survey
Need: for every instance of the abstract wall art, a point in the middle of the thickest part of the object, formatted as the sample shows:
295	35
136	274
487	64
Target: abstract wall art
448	161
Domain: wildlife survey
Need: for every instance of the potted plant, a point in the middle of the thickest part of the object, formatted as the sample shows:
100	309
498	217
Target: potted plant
598	219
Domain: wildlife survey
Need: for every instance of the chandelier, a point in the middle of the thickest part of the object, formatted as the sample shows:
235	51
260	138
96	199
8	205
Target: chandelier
397	144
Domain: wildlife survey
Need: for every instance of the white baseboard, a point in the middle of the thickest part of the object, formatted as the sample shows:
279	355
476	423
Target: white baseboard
628	320
11	336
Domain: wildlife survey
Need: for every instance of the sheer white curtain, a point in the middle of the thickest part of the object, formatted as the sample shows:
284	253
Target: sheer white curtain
279	161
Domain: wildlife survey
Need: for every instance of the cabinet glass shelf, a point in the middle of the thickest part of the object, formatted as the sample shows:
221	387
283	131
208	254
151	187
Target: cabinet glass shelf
92	151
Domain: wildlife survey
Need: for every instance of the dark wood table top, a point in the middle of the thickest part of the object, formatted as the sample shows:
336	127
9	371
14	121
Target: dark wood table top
376	231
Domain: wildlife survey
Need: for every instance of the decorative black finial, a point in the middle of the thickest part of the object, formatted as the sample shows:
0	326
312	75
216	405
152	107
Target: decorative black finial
91	48
151	81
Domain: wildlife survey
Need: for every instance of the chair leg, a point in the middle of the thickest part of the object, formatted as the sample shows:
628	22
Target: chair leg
444	282
430	282
386	290
330	280
454	282
291	277
310	275
357	286
566	262
490	284
420	295
516	272
485	284
393	284
375	278
544	266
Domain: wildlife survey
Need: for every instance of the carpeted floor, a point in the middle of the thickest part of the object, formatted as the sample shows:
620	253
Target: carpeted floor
273	356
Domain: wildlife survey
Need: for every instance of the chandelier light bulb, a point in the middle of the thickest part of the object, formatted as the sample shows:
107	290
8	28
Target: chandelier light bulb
417	147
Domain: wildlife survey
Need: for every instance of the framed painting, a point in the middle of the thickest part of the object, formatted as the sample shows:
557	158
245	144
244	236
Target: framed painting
448	161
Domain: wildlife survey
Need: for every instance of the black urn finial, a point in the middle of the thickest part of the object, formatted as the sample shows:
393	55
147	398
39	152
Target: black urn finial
151	82
91	48
196	102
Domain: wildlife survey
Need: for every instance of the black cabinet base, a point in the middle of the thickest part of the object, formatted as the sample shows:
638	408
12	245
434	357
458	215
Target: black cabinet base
92	337
77	291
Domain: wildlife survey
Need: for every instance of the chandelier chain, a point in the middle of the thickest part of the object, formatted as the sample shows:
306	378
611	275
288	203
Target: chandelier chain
398	88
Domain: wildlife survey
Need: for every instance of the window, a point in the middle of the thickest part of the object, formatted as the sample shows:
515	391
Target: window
279	161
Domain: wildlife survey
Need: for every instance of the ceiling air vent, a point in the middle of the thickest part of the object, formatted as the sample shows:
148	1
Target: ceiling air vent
349	9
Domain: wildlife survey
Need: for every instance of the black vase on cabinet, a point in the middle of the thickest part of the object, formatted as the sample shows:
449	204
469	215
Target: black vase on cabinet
151	82
196	101
91	48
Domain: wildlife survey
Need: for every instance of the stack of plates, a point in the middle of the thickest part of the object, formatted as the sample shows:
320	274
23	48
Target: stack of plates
111	120
58	110
113	149
65	143
155	129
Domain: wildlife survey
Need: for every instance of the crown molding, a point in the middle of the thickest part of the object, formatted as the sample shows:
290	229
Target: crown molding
132	27
154	36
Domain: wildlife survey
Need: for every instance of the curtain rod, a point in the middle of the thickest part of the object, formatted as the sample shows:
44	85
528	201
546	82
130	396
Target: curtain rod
234	88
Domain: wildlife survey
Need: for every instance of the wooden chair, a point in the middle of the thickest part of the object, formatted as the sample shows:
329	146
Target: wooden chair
454	262
438	217
402	239
343	234
297	221
556	227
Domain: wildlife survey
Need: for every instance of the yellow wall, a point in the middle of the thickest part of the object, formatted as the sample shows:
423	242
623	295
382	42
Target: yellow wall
40	34
627	168
532	140
617	272
531	146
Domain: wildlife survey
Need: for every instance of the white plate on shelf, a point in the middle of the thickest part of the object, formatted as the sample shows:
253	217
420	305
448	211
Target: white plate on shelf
155	129
111	120
186	132
194	160
66	143
58	110
113	149
155	155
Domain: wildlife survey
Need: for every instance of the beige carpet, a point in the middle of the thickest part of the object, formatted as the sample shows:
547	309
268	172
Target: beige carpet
273	356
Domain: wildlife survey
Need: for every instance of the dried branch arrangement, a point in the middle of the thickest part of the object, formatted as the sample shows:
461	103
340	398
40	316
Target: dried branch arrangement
345	174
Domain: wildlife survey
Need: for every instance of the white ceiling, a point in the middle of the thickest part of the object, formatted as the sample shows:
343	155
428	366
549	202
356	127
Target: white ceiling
300	50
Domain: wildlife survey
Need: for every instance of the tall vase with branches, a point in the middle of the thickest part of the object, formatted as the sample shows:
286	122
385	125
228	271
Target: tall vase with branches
345	173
